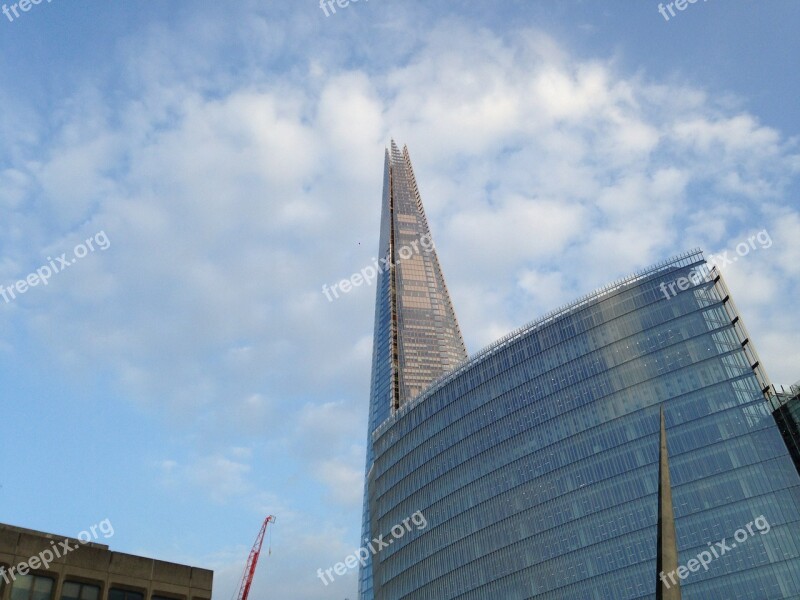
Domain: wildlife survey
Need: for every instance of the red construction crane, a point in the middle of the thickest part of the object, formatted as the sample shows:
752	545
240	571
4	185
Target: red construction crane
252	561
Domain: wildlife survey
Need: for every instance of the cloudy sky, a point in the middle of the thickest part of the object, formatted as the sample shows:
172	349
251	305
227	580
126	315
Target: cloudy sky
192	377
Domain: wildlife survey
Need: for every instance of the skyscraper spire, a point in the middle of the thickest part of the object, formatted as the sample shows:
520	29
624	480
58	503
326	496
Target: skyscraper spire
417	338
427	336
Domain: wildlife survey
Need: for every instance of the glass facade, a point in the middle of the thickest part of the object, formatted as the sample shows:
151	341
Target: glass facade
786	410
429	341
417	338
535	463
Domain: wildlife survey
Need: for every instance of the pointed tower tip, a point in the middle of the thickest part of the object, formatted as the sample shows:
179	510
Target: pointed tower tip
396	154
426	338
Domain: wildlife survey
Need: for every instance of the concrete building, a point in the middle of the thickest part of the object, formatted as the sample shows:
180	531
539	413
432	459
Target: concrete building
43	566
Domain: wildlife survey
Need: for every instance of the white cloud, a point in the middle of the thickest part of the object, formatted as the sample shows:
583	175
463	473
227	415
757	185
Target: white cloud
221	477
345	481
229	211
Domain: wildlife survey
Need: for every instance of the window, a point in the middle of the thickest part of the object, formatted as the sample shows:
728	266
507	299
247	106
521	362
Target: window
73	590
117	594
32	587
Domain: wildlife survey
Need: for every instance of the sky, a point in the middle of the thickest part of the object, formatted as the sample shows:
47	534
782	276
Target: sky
184	375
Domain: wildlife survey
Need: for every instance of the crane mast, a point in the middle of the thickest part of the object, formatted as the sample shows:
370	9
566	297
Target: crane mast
252	561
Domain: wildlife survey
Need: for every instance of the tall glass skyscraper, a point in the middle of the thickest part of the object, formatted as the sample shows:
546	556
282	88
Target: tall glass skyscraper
417	338
786	410
536	461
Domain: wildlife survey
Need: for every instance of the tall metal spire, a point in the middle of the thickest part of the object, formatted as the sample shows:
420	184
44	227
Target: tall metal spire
668	584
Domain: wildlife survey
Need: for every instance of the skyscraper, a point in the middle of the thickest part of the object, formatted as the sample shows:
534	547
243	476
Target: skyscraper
417	338
786	410
537	461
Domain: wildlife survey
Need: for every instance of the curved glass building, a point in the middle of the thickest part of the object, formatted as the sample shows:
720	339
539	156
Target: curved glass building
536	461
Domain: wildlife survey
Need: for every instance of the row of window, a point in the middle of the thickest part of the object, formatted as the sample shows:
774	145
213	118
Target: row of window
569	435
681	344
506	413
577	327
39	587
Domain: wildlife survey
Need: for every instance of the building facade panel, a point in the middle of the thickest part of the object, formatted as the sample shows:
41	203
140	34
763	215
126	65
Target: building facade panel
786	410
536	463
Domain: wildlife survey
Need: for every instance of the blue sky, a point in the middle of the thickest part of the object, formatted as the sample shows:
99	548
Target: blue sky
193	378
